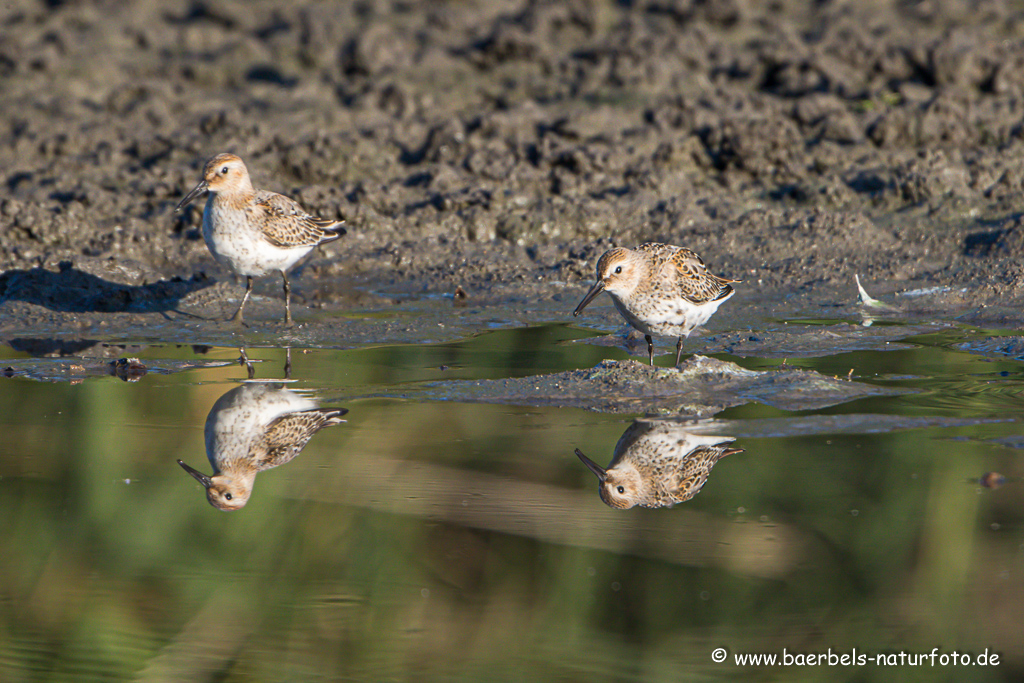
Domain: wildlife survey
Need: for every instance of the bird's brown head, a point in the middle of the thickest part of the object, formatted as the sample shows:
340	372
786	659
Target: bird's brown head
619	272
227	495
618	489
221	492
223	173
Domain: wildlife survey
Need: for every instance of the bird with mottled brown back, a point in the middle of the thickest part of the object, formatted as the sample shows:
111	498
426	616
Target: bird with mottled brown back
252	428
657	463
659	289
255	232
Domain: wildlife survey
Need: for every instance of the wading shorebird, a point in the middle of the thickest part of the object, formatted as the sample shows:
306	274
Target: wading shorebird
657	463
659	289
252	428
255	232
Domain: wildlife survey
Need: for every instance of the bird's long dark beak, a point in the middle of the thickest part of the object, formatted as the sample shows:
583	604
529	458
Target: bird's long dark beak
591	465
594	291
197	475
196	191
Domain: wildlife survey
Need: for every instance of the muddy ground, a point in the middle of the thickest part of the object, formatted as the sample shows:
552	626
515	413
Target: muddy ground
501	146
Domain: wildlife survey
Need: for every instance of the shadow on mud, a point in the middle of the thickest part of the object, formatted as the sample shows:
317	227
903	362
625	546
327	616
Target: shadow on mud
74	291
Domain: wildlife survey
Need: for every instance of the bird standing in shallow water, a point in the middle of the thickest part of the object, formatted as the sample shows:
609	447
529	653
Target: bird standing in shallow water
255	232
657	463
659	289
252	428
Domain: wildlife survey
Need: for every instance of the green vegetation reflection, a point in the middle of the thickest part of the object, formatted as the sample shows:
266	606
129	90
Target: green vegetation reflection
467	542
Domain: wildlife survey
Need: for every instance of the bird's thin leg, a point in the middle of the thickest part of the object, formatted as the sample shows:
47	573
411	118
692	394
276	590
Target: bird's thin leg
288	362
244	360
679	350
287	300
237	318
650	348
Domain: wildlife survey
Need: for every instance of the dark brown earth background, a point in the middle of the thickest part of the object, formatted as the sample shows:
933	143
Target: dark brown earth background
502	146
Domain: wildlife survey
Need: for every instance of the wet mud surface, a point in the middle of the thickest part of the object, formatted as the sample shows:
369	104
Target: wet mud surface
1012	347
780	340
126	368
700	387
500	148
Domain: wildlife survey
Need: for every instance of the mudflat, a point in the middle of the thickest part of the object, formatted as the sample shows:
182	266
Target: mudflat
500	147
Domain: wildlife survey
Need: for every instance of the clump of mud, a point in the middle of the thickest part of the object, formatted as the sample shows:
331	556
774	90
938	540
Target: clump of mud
700	387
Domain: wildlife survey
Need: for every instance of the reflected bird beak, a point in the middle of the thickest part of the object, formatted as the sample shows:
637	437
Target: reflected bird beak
197	475
196	191
591	465
594	291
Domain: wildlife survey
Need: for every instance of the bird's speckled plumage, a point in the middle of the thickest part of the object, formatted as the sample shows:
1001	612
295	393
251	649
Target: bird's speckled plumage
657	463
659	289
255	232
252	428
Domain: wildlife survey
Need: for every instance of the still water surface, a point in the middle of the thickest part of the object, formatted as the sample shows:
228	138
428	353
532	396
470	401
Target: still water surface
447	540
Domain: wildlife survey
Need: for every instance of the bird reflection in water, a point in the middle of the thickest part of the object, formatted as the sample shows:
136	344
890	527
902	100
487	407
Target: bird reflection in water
658	463
254	427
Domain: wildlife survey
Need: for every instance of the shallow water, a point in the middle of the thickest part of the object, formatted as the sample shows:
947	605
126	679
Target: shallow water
436	537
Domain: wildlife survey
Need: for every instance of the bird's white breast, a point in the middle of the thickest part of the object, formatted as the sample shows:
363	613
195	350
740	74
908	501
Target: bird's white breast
241	416
670	316
235	242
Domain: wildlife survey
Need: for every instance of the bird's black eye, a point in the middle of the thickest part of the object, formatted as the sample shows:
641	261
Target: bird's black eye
227	496
618	269
621	489
224	171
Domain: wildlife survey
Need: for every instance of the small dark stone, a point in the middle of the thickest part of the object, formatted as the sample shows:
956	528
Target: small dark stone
992	480
129	369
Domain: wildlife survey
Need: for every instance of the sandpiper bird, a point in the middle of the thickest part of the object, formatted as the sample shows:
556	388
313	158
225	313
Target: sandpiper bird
254	232
659	289
252	428
657	463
